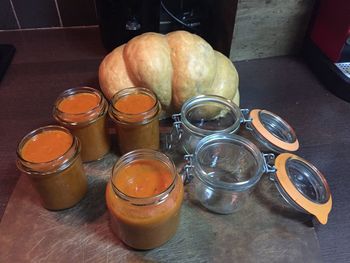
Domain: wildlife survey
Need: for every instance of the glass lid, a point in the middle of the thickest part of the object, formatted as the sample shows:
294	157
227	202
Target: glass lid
208	114
228	161
272	131
303	186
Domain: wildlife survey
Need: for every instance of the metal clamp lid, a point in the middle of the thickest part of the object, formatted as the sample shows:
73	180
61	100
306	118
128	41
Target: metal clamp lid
175	134
187	170
268	167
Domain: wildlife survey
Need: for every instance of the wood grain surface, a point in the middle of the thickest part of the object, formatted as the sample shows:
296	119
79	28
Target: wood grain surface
264	230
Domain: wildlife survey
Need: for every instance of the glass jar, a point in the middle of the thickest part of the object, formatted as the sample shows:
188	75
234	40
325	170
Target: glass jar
226	167
201	116
204	115
142	217
226	170
50	156
83	111
135	112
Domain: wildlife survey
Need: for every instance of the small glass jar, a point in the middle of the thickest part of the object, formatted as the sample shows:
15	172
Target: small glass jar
149	221
204	115
226	168
137	124
201	116
61	181
83	111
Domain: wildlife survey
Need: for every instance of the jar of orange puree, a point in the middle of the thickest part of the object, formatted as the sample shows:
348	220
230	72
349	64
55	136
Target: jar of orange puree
135	112
144	197
83	111
50	156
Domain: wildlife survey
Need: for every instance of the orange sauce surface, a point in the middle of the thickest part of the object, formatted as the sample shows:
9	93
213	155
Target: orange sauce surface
79	103
134	103
46	146
143	178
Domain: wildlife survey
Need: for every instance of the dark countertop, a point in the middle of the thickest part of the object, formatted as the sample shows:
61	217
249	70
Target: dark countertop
50	61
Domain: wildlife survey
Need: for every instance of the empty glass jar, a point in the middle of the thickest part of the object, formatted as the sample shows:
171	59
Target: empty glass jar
208	114
225	168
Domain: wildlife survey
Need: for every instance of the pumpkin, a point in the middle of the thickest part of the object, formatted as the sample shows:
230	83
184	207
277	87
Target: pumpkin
176	66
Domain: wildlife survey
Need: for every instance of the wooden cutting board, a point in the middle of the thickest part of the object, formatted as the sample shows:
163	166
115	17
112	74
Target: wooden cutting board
264	230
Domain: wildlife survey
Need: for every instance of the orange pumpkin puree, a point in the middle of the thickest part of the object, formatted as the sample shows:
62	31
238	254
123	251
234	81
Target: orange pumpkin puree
135	103
137	122
84	117
145	226
46	146
79	103
143	178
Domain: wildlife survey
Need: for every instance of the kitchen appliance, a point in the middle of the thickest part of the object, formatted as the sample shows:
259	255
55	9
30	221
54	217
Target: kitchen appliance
121	20
212	20
327	48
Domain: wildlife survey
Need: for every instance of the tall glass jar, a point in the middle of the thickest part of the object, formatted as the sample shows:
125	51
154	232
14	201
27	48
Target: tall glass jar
50	156
135	112
144	197
83	111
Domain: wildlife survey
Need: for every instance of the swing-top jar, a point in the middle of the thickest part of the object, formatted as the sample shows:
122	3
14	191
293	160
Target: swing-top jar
204	115
226	167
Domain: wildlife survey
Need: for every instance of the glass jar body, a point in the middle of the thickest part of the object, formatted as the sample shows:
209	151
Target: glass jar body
61	183
205	115
225	169
136	130
138	136
142	224
61	190
145	227
94	137
190	139
218	200
90	126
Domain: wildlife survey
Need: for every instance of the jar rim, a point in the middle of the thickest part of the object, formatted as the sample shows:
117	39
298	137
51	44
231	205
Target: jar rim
23	163
229	139
202	99
146	116
91	115
144	154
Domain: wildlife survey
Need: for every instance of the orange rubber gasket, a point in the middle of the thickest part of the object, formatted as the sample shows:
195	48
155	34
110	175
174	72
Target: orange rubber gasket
320	211
290	147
